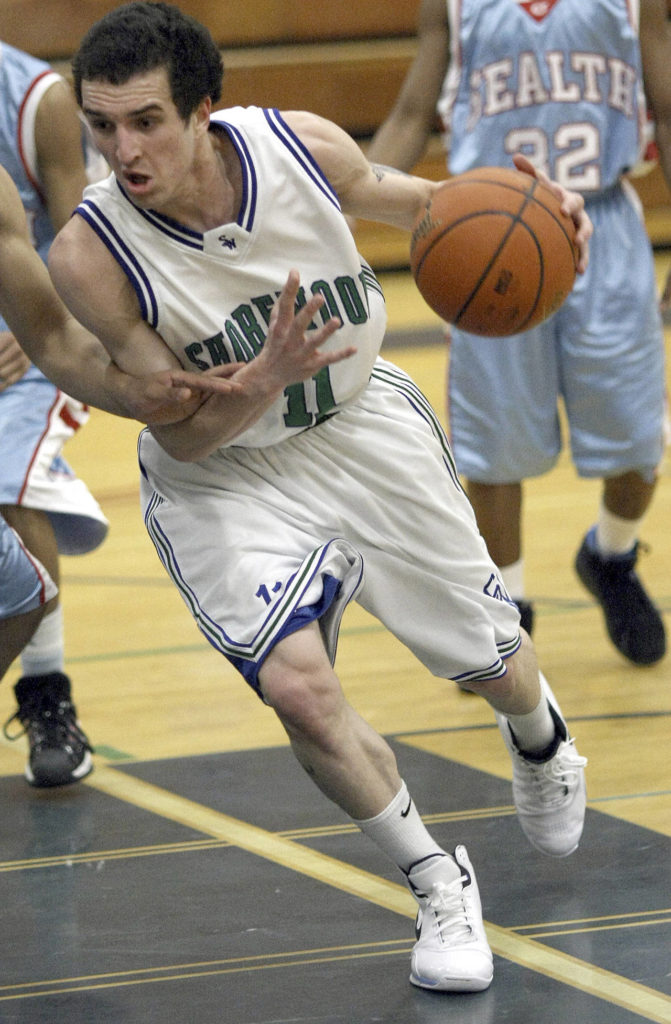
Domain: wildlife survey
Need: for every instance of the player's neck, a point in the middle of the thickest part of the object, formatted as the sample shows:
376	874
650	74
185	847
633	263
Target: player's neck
213	192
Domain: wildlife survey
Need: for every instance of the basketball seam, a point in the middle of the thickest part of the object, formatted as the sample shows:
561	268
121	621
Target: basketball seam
528	196
456	183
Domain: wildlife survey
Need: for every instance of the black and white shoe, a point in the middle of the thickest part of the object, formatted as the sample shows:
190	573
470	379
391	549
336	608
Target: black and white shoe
59	751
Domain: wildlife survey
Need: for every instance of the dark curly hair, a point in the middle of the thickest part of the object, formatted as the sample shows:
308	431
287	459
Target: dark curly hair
142	36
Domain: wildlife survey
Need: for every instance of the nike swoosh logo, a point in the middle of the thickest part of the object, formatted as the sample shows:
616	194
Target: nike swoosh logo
406	812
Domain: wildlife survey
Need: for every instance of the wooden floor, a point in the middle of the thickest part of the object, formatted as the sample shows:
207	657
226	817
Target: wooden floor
198	876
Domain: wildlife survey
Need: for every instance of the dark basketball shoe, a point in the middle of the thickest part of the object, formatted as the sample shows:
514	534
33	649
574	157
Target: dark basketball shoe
634	625
526	614
59	752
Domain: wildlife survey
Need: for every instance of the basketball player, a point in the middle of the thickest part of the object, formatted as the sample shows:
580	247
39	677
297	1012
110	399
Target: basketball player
221	237
68	354
25	588
561	81
40	497
51	510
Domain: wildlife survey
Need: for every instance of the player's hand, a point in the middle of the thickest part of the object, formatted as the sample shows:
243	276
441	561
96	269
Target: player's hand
13	360
572	204
173	395
292	352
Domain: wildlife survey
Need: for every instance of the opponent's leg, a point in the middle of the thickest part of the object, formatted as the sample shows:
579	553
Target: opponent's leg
606	564
498	510
59	751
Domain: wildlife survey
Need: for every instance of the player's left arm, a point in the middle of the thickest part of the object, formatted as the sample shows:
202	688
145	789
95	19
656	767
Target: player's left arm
383	194
365	190
655	41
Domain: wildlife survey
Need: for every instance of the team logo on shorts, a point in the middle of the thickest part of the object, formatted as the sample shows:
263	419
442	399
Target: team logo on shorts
494	588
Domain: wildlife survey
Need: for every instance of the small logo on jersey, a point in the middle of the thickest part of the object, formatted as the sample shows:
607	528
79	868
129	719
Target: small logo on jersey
538	9
226	242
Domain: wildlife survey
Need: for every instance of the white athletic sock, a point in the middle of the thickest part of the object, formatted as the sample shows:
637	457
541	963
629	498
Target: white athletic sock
399	831
534	731
513	578
44	652
615	535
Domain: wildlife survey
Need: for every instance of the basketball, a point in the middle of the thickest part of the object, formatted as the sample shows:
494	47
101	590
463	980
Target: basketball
492	253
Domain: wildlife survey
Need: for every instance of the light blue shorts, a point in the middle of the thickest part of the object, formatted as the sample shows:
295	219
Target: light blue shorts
24	583
36	421
602	354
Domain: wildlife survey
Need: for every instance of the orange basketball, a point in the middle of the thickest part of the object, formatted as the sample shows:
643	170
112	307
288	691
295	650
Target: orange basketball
492	252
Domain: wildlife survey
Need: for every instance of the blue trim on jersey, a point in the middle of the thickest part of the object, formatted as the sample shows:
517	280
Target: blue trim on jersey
284	133
250	187
113	241
172	228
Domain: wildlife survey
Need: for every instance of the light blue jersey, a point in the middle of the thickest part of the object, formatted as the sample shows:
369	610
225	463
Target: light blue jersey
36	418
23	82
561	82
558	81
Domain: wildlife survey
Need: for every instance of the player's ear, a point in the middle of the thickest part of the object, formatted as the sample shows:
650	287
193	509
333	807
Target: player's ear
201	115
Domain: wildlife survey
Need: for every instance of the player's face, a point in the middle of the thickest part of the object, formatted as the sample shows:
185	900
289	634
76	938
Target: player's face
137	128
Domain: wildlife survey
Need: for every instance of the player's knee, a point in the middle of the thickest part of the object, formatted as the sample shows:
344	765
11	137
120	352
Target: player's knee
304	701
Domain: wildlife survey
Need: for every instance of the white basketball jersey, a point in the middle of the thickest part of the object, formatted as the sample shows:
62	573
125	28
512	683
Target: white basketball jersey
210	295
558	80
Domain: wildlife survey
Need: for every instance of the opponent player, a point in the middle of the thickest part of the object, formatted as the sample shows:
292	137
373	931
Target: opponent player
25	587
561	81
52	511
67	354
222	237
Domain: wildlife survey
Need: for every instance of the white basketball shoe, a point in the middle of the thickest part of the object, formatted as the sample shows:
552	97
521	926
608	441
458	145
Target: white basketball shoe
549	794
451	953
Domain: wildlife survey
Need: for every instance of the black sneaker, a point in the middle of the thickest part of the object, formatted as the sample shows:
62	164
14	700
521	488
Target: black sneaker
60	752
634	625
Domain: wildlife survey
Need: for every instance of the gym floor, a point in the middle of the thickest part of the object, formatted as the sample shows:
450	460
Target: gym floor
197	874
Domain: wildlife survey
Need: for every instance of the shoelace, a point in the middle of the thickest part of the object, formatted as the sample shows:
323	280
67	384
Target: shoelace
48	724
555	777
449	905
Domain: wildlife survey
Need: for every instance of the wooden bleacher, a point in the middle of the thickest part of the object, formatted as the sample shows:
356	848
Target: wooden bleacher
345	60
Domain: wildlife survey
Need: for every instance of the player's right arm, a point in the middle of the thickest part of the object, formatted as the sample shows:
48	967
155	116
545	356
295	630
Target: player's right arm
97	292
401	139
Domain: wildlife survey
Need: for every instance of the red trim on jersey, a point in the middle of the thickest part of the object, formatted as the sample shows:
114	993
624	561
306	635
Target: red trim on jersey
36	567
33	180
69	419
537	9
37	448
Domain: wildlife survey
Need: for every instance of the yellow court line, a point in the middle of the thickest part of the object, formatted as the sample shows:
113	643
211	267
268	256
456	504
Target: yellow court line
609	987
